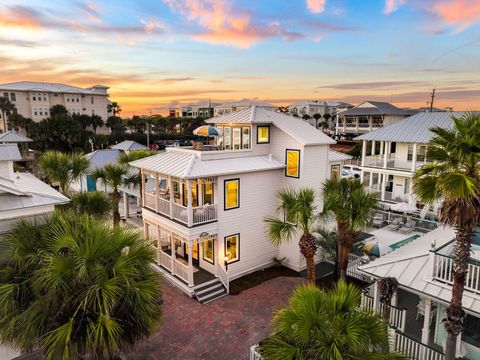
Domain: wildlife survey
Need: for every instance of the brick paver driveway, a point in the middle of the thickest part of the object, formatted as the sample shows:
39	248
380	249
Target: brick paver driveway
222	330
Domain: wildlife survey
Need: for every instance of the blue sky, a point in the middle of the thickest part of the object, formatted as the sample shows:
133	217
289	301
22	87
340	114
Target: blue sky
157	53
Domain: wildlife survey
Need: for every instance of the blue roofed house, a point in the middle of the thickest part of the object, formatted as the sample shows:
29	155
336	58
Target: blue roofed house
128	145
98	159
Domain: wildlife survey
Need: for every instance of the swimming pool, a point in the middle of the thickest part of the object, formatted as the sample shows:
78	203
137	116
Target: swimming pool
404	242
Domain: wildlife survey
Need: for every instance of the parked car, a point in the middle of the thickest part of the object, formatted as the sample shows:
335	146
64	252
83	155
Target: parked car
349	171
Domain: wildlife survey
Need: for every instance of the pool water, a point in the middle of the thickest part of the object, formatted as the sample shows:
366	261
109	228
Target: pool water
404	242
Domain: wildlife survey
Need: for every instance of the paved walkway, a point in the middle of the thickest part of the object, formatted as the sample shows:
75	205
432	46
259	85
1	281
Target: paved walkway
221	330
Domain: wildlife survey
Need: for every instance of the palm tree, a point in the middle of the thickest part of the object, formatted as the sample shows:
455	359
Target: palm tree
96	122
327	240
114	108
114	176
5	107
93	203
453	177
388	286
63	167
319	324
317	117
75	288
299	213
125	158
347	201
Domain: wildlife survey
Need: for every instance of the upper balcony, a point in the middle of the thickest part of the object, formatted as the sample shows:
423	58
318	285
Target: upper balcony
392	163
190	202
443	266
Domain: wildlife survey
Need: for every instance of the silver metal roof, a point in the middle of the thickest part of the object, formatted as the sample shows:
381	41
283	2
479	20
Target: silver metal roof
295	127
337	156
377	108
409	265
100	158
13	137
49	87
128	145
9	152
186	165
414	129
26	191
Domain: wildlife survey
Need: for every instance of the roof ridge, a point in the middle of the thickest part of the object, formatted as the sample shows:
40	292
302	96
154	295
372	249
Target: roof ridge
190	165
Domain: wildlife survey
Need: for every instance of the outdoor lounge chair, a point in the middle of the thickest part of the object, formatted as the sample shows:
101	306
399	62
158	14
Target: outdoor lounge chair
408	227
378	221
395	224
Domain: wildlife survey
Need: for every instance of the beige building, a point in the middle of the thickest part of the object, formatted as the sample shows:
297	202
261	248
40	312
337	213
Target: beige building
34	99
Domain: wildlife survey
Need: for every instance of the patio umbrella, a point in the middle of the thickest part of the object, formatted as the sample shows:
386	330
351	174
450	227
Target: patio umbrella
404	207
206	130
376	249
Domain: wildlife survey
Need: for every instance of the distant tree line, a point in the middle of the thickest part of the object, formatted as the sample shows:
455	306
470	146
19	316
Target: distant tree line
68	132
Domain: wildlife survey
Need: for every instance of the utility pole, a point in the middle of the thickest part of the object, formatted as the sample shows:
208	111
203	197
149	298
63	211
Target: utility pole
431	101
148	128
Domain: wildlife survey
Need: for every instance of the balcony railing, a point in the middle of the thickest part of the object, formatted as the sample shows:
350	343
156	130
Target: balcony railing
414	349
398	198
199	215
392	163
398	317
443	271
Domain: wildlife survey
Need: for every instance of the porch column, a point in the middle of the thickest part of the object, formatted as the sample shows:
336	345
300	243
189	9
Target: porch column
156	193
394	300
411	195
189	203
173	252
385	155
364	151
384	183
426	321
170	193
126	205
382	147
414	157
361	176
372	152
200	192
142	195
376	297
370	180
190	262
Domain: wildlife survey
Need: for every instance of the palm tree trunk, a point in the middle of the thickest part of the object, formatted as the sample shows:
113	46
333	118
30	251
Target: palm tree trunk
115	206
455	314
308	248
342	250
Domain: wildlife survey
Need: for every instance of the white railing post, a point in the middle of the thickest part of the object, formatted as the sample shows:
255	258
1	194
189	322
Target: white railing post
189	203
172	196
376	296
157	195
364	151
414	157
426	321
174	253
190	263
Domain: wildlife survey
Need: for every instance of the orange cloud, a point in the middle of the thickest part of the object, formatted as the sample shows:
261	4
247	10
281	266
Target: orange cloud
21	17
458	12
316	6
223	25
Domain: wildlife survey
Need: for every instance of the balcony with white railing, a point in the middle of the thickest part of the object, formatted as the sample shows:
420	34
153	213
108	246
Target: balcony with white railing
180	199
443	270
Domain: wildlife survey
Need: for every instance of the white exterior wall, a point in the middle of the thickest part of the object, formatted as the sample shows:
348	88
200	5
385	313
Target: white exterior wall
9	218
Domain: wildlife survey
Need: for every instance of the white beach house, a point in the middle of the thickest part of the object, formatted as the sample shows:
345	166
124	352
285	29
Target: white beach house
391	155
207	207
424	269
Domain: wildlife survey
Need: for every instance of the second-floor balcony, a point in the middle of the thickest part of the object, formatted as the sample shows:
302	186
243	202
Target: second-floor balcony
391	163
190	202
443	266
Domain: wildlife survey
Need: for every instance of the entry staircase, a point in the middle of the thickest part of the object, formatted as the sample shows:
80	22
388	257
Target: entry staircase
210	291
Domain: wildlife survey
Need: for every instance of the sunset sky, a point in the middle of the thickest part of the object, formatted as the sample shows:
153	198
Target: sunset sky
156	53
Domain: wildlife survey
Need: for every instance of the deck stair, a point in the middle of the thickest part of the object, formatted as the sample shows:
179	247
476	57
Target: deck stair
209	291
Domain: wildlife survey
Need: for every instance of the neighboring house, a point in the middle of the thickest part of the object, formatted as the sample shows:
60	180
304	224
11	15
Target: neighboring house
22	195
368	116
204	110
337	160
11	137
206	209
233	106
128	145
34	99
98	159
328	110
424	270
391	155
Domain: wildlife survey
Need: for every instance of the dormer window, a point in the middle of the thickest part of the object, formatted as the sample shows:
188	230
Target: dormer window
263	134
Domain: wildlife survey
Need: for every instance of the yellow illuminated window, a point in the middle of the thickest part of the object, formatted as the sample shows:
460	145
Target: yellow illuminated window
232	248
293	163
208	252
232	194
263	134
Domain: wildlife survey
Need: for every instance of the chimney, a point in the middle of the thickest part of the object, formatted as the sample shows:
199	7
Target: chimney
8	154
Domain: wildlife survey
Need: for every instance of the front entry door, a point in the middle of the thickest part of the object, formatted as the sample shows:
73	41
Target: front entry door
195	253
